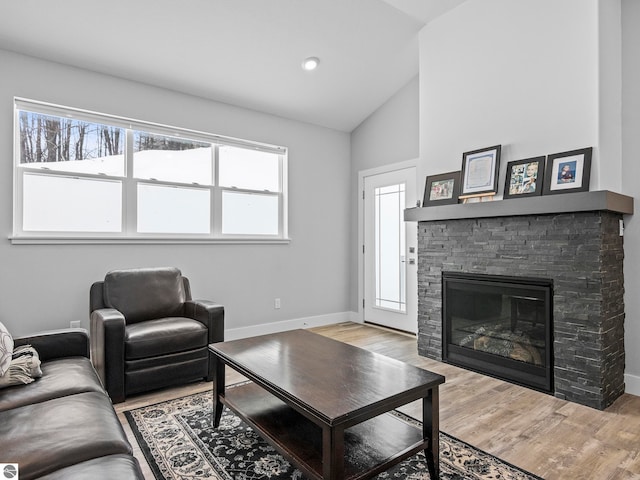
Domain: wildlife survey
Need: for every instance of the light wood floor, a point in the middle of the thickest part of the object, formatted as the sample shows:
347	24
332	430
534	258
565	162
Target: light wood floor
552	438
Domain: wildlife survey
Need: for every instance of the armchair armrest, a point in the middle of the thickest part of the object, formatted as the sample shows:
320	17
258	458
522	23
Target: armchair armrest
58	343
210	314
107	350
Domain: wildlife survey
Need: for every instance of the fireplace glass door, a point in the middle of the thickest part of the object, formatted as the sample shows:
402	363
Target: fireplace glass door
500	326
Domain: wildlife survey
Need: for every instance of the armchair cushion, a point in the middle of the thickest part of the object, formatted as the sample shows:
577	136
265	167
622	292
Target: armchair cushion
163	336
145	293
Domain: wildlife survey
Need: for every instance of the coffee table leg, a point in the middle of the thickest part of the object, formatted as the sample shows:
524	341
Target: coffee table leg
332	453
218	390
431	431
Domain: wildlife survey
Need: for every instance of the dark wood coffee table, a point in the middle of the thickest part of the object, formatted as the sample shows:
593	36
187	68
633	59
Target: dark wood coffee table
323	404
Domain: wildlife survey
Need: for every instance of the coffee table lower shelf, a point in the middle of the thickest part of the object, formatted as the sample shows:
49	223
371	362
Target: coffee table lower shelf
371	447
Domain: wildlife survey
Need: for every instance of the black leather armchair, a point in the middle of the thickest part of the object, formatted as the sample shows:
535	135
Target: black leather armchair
147	332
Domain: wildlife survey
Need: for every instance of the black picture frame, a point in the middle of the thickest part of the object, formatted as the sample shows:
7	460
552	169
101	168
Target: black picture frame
479	173
442	189
524	178
568	172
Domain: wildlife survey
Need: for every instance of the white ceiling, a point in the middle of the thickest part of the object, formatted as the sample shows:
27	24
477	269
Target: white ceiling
243	52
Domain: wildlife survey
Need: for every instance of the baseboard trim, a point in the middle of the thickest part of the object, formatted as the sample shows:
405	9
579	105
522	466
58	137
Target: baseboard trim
632	384
285	325
356	317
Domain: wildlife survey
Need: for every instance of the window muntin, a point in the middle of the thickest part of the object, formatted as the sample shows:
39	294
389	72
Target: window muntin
150	183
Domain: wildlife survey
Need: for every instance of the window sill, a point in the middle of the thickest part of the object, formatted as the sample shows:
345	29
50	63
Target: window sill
145	241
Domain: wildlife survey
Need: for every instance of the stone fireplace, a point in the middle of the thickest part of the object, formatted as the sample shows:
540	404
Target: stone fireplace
575	241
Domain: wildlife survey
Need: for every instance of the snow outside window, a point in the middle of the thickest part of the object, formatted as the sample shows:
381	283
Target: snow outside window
71	204
82	175
249	214
171	209
163	158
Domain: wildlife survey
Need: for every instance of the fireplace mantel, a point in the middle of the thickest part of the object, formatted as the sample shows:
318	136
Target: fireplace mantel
602	200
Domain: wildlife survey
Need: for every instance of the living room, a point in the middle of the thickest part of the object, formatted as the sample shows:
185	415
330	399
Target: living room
536	77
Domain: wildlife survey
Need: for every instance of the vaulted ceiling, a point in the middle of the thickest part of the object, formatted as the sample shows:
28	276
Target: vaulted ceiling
243	52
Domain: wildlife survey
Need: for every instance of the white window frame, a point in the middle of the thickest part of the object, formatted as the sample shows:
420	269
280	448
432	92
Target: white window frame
129	184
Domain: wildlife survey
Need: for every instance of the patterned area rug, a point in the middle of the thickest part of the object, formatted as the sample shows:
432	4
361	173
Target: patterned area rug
179	443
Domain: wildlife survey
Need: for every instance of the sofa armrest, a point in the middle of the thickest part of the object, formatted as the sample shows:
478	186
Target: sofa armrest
210	314
107	350
58	343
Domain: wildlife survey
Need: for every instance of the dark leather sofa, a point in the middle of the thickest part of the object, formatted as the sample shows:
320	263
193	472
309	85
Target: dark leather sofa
148	333
63	425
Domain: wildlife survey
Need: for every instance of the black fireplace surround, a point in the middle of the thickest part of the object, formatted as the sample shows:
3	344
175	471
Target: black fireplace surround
499	325
581	252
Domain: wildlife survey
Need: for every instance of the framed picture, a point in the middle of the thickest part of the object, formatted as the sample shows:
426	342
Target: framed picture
442	189
524	178
480	171
568	172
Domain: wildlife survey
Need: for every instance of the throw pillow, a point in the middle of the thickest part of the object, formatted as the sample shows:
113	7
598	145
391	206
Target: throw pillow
6	349
24	367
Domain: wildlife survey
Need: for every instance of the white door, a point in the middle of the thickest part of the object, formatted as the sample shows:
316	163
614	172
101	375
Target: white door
390	250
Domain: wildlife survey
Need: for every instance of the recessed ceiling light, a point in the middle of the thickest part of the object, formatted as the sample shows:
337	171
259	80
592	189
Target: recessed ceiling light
310	63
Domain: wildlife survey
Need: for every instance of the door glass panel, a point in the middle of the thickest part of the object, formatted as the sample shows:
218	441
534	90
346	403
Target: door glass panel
390	243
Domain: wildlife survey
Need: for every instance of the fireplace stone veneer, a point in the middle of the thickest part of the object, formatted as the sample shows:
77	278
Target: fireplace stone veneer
581	252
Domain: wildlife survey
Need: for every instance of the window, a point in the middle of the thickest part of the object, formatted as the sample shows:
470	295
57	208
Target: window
82	175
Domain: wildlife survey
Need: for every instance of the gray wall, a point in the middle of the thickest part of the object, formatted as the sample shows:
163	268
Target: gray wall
530	84
389	135
630	185
46	286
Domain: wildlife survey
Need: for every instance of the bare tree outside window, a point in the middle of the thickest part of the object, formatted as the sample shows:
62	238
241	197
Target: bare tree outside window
45	138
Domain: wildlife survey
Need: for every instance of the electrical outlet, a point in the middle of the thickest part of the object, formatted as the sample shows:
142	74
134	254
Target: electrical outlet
276	303
74	324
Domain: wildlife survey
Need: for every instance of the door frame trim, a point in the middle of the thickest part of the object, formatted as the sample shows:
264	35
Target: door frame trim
392	167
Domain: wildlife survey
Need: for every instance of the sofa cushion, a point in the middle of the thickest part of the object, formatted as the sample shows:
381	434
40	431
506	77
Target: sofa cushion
60	378
47	436
112	467
145	293
163	336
